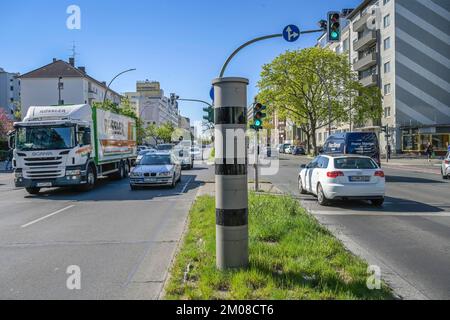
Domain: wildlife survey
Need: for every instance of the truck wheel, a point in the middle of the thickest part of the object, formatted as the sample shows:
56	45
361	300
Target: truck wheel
91	180
127	169
33	191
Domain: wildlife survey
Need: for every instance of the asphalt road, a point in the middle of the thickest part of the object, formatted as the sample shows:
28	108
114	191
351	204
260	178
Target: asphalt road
409	238
122	241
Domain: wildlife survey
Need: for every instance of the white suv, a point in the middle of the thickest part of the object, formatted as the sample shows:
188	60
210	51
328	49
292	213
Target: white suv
349	177
445	169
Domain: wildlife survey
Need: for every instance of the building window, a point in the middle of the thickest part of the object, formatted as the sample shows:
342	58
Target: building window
387	89
387	67
387	21
385	2
11	88
387	43
12	99
387	112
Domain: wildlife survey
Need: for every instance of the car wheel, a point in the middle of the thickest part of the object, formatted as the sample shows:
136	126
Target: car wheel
91	179
322	199
33	191
377	202
445	177
300	186
133	188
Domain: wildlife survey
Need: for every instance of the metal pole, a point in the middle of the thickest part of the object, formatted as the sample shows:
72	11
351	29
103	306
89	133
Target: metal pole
257	161
231	173
59	91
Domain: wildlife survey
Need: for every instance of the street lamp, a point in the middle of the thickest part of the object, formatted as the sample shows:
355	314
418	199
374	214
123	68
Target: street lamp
109	85
59	91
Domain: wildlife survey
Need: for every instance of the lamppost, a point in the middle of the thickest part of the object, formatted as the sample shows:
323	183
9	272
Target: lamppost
109	85
59	91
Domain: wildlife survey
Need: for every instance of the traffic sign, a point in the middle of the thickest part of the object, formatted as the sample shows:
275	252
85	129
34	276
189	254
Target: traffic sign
291	33
211	94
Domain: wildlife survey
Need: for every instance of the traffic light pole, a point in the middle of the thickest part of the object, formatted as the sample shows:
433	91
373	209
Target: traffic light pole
257	161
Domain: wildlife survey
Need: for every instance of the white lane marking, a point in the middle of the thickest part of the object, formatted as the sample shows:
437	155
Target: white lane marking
47	216
187	184
380	214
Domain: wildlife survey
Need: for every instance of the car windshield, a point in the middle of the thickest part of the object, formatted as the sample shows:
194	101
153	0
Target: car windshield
155	160
45	138
355	163
164	147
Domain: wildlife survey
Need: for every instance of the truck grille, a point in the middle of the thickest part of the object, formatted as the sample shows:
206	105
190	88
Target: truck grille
43	168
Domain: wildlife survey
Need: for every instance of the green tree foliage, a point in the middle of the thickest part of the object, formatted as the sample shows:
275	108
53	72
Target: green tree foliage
165	132
6	125
301	84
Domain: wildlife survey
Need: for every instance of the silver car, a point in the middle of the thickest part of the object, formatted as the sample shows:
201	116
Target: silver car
445	169
156	169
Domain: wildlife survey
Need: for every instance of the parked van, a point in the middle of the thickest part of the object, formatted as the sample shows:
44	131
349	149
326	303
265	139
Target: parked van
359	143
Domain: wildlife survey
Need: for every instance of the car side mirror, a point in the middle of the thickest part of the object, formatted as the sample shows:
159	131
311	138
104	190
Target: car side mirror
12	140
321	151
303	166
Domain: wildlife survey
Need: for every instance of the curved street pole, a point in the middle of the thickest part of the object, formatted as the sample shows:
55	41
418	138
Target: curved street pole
195	100
109	85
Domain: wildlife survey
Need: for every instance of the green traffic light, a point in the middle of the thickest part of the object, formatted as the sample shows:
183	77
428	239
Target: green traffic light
258	123
334	35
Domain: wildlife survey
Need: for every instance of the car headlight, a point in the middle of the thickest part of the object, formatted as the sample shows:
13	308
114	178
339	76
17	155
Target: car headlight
136	174
165	174
73	172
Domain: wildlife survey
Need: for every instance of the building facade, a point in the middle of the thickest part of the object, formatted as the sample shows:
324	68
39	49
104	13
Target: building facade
61	83
403	48
151	104
9	92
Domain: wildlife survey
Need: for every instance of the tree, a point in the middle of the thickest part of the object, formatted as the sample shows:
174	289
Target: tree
6	125
165	132
300	85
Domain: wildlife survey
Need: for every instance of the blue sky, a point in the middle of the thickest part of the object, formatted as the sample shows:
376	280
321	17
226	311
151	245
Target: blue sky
180	43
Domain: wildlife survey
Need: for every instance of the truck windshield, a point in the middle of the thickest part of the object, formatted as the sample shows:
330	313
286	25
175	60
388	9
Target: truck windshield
45	138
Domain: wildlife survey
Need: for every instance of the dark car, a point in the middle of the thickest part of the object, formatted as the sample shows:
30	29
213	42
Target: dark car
358	143
298	151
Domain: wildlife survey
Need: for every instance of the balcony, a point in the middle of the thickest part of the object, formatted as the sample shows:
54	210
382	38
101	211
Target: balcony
365	62
366	41
369	81
361	23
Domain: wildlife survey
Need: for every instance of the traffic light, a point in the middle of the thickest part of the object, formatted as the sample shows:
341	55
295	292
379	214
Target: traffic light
209	114
334	26
258	116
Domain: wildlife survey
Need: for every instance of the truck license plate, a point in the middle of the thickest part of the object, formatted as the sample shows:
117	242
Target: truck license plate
44	185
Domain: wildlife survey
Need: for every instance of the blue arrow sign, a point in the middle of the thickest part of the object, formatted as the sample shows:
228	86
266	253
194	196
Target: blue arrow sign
211	93
291	33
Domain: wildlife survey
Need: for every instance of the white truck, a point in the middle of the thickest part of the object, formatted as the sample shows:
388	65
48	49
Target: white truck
71	146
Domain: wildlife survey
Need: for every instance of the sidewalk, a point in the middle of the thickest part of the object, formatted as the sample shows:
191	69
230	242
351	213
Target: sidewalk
420	165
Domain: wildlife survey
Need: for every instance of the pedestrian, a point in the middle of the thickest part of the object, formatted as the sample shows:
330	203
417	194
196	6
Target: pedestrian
9	158
389	151
429	151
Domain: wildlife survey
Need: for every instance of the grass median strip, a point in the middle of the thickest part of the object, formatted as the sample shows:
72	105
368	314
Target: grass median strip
291	257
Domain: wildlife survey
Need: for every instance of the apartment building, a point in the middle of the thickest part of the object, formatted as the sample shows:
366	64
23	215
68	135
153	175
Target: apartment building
403	48
9	91
61	83
152	105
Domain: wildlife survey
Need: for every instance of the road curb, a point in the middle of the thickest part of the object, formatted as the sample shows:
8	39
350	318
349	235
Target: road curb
168	276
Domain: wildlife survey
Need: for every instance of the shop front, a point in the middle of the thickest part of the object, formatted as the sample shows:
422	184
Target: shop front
416	140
